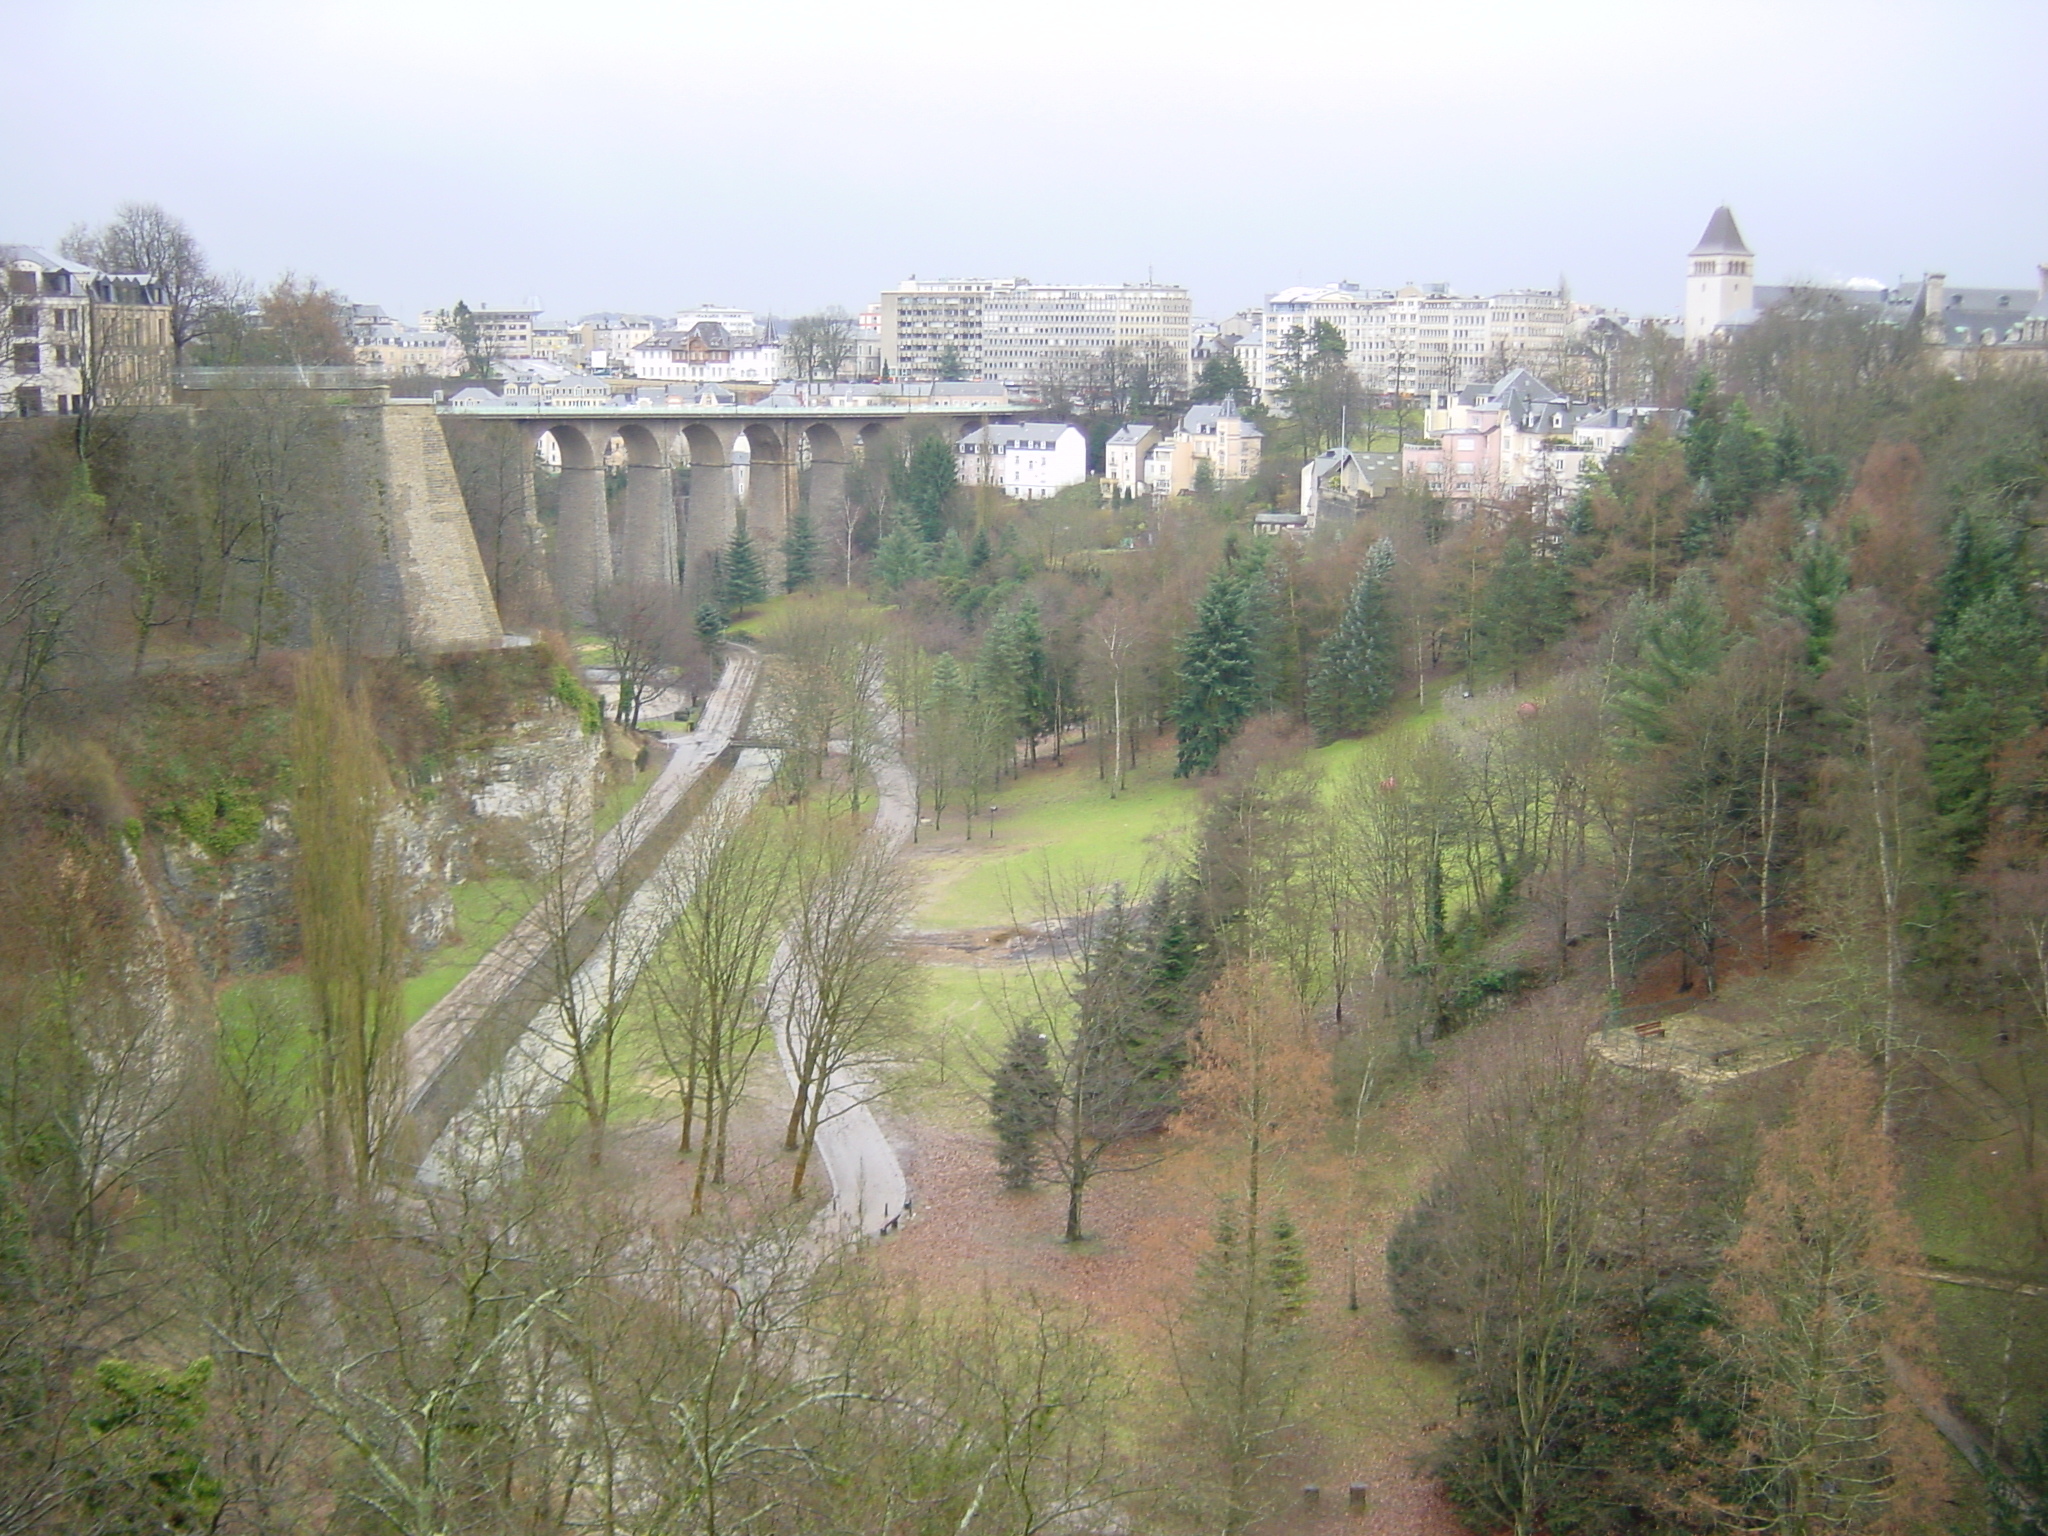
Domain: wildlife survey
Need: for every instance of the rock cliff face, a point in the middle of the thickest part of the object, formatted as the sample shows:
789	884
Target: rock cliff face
505	810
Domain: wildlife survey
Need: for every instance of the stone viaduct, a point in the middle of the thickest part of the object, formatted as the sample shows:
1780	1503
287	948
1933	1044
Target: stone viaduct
796	456
431	589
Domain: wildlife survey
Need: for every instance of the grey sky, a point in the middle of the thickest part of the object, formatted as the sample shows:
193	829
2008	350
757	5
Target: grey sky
642	154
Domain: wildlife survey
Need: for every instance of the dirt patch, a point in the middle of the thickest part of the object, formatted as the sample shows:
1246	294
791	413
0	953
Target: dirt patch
1008	944
1369	1408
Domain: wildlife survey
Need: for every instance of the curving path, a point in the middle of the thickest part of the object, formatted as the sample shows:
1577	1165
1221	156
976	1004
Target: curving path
869	1188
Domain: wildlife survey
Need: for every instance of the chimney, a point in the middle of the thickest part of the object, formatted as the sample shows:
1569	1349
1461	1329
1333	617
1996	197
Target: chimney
1933	300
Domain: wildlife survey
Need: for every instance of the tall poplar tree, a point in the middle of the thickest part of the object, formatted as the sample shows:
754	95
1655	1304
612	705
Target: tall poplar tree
1353	677
351	915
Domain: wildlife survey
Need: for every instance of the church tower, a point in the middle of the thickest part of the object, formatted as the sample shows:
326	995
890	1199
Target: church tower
1722	282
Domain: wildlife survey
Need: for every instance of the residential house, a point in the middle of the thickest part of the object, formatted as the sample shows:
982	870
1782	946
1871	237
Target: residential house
1516	439
1123	459
1142	458
1220	436
706	353
78	338
1337	481
1028	460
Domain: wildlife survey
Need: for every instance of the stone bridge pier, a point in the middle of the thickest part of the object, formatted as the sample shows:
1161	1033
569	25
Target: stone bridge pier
713	507
648	534
796	458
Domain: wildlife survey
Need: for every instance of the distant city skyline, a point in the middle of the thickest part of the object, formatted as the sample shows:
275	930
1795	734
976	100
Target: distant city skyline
650	157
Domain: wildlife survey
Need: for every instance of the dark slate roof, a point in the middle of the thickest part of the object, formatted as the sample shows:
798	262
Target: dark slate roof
1722	237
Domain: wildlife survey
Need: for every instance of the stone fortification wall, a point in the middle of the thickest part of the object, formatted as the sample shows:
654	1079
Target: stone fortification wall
412	499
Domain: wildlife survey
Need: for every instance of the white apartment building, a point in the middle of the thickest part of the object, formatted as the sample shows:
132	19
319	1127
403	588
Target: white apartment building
1030	460
1005	328
1413	338
501	331
922	320
1025	324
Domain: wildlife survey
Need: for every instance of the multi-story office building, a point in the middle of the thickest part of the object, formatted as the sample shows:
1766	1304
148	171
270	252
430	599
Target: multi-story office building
1025	325
1007	328
1413	339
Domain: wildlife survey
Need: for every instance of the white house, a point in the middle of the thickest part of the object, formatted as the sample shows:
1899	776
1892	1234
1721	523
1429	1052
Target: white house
1123	458
1030	460
706	353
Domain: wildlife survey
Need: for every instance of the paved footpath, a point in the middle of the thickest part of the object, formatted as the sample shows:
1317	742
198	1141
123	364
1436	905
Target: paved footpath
542	1059
869	1189
440	1033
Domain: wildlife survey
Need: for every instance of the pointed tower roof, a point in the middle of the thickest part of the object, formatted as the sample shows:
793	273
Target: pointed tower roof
1722	237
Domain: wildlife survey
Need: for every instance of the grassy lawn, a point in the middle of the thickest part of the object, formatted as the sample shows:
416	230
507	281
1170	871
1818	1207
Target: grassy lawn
621	798
485	911
1061	823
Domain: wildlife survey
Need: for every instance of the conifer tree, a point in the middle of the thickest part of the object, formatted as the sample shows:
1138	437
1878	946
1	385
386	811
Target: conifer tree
742	582
1219	673
799	552
1353	677
1010	674
951	564
1023	1104
1988	673
1240	1357
1680	641
923	482
1704	410
1524	607
900	558
709	622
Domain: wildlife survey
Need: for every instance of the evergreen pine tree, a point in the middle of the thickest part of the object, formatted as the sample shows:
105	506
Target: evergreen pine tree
710	622
923	483
1740	470
799	552
1287	1271
981	553
1525	606
1820	575
1353	677
1011	674
1022	1103
1678	642
900	558
742	582
1988	673
1704	409
1219	673
952	562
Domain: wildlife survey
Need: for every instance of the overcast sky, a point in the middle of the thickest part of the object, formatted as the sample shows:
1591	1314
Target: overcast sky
786	154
